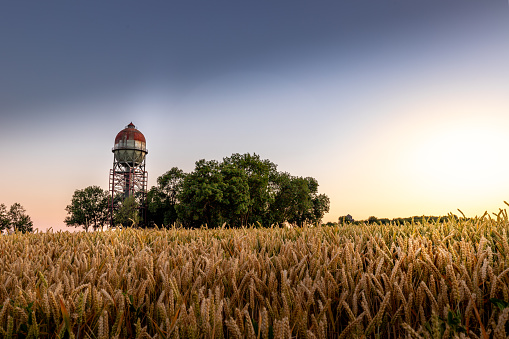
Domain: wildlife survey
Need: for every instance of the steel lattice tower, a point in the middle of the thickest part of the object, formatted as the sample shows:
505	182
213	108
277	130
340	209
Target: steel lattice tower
128	176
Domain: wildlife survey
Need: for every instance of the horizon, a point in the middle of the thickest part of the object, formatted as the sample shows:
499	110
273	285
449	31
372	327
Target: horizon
397	109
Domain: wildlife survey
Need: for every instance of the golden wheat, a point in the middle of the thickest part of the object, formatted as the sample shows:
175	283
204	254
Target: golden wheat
421	279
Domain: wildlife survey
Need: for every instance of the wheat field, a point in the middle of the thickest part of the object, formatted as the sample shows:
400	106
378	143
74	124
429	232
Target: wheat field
418	280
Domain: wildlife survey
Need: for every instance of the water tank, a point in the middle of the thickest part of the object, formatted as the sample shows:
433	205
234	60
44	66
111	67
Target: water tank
130	147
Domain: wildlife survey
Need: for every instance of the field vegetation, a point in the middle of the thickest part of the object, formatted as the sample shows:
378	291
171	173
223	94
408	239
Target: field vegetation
416	280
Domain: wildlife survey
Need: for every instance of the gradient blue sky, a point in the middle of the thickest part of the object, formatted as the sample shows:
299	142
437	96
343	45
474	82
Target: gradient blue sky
397	108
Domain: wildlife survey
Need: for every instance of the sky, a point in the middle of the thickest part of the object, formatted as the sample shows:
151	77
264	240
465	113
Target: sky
397	108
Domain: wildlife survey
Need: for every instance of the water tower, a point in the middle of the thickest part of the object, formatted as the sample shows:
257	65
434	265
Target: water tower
128	176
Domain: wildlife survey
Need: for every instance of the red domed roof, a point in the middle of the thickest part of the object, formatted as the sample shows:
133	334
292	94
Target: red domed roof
130	133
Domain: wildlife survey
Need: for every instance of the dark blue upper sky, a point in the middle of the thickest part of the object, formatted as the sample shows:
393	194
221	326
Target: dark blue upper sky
66	50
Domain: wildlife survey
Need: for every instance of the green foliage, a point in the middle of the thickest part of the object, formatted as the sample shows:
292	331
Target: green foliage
29	328
15	219
372	219
20	221
201	195
404	221
88	208
261	176
162	199
501	304
437	326
236	199
128	214
409	220
296	201
4	218
241	190
454	321
321	205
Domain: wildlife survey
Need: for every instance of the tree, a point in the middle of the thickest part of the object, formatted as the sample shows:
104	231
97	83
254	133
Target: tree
201	196
260	175
240	190
296	201
20	221
372	219
290	200
128	214
88	208
235	200
4	218
215	193
321	205
15	219
162	199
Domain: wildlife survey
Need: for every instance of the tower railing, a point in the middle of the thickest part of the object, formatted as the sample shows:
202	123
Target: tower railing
129	148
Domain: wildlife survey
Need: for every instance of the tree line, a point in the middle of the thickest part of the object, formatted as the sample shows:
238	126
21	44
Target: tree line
348	219
240	190
90	209
15	219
